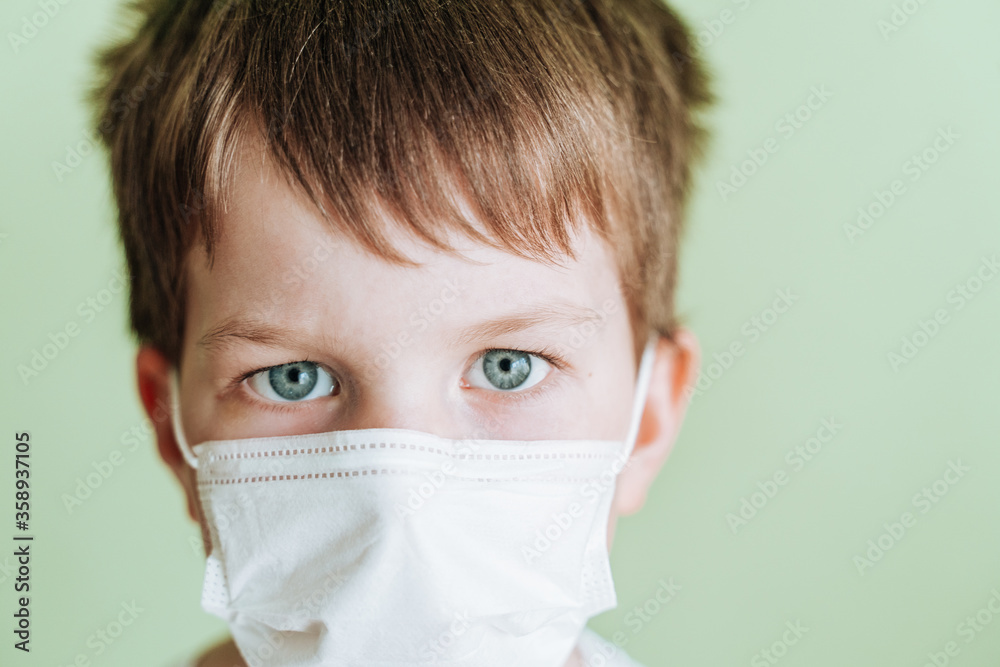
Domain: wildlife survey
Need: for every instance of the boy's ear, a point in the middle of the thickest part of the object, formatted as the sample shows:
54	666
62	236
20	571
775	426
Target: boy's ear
674	372
153	377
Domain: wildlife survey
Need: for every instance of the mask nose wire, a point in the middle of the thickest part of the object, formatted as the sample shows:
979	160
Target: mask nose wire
175	421
641	390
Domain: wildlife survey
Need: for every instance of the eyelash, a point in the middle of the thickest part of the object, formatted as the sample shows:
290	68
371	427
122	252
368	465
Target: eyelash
547	354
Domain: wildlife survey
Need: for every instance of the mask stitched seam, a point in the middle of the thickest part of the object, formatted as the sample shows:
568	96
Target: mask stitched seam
404	446
384	471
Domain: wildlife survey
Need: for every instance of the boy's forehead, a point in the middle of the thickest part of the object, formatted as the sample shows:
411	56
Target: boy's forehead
278	260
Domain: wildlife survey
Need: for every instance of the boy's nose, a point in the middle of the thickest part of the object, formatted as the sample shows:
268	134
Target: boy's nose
413	407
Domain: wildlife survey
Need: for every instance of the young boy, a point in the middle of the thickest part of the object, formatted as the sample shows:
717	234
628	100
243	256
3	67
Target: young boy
405	270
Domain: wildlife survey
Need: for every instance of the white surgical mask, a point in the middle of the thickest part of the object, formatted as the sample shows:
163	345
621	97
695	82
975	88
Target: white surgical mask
392	547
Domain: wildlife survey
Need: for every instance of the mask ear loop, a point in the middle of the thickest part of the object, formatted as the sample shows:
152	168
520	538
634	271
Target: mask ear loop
641	390
175	420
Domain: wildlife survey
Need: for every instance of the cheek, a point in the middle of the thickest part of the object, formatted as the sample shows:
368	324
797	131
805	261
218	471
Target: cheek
611	386
595	407
611	407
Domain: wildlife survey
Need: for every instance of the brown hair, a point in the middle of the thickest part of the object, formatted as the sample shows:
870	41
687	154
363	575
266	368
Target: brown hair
547	112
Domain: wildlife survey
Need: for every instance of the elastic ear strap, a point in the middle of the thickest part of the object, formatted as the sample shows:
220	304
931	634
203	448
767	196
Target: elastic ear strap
641	390
175	420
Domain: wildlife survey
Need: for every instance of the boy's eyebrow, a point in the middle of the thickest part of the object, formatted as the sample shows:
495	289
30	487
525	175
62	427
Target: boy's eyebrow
561	314
255	331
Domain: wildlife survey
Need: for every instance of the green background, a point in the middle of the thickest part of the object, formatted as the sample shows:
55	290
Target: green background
826	357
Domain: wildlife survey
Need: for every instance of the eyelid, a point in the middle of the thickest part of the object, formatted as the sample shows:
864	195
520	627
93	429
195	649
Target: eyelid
261	403
249	374
548	354
534	393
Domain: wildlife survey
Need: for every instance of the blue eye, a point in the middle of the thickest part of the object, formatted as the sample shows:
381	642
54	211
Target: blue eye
509	370
297	381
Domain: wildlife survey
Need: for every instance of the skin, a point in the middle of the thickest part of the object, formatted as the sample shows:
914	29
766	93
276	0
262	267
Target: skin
350	307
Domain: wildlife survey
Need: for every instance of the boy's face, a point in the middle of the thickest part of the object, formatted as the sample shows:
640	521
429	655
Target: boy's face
381	345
